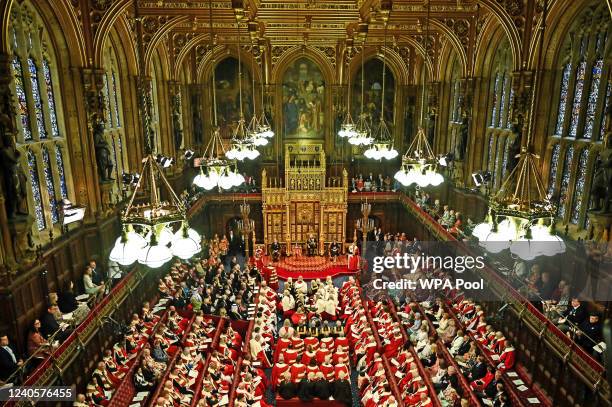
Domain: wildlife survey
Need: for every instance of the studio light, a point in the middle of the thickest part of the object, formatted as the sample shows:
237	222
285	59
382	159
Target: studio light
164	161
188	154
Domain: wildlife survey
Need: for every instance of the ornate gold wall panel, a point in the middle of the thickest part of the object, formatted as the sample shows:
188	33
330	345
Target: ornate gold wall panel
304	204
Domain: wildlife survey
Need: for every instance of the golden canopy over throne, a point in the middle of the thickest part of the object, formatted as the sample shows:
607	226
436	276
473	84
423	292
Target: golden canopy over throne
307	202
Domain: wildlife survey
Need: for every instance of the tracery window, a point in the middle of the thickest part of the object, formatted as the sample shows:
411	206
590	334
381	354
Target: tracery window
40	133
579	189
499	121
583	94
112	103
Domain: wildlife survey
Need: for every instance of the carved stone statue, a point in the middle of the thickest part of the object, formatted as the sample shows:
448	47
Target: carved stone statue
463	137
15	182
103	151
601	189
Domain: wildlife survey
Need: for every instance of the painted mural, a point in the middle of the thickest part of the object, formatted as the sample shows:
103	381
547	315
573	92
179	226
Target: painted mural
303	100
228	100
373	91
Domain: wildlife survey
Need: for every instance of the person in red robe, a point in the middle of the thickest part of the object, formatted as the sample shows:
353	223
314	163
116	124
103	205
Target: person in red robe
278	370
353	258
507	358
298	372
480	384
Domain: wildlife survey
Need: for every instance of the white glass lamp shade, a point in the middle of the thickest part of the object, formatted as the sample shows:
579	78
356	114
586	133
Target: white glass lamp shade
390	154
135	239
165	236
496	242
124	253
482	230
185	247
154	256
192	233
226	182
260	140
401	177
251	153
525	249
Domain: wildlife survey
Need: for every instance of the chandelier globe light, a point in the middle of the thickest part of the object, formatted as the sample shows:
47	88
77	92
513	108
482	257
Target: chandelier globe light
382	146
419	164
146	224
360	135
521	216
347	128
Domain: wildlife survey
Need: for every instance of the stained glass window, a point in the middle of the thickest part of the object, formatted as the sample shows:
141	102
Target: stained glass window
22	101
508	116
502	105
554	162
50	185
36	196
565	181
496	95
120	148
602	128
578	89
505	158
107	107
40	117
116	100
59	161
592	101
563	98
578	192
491	150
498	160
51	98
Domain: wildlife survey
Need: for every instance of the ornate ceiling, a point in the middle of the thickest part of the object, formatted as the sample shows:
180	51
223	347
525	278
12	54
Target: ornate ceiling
183	27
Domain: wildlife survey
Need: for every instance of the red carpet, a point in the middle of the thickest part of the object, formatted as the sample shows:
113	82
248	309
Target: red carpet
309	268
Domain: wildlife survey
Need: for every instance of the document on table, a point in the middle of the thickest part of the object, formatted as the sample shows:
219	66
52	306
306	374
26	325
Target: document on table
518	382
523	388
512	374
533	400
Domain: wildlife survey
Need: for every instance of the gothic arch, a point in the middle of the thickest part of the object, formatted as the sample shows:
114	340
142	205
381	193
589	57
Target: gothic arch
156	40
61	23
394	63
509	28
456	45
186	50
420	50
487	51
109	18
204	70
278	71
561	20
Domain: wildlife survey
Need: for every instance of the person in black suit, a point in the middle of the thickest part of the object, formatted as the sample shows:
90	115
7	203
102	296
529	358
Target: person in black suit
590	333
306	388
287	389
479	370
66	300
9	360
574	316
233	243
491	390
50	326
342	390
322	389
334	250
